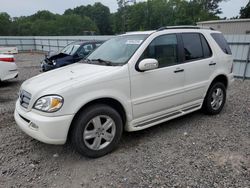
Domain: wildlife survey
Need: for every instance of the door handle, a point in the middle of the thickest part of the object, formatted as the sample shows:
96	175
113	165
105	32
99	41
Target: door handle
212	64
178	70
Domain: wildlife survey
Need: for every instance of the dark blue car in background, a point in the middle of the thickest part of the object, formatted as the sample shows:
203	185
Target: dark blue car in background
71	53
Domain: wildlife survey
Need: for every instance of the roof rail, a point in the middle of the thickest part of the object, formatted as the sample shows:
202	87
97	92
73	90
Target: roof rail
183	27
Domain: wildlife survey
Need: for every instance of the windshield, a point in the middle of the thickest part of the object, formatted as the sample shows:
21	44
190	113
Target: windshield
70	49
118	50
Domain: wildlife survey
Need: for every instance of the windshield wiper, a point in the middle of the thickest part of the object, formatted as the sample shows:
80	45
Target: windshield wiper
109	63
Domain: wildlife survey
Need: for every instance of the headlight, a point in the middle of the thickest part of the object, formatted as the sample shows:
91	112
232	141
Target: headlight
54	62
49	103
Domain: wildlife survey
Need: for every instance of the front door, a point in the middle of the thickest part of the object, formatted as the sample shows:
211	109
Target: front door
158	90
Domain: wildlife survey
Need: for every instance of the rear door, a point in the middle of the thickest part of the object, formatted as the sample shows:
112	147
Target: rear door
198	63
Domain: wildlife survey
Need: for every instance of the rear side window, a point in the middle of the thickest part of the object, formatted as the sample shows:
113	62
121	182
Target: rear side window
221	41
192	46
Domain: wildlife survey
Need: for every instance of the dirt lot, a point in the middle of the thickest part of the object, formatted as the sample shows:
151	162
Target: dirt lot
192	151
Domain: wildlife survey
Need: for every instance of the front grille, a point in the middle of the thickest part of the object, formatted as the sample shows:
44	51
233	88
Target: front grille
24	98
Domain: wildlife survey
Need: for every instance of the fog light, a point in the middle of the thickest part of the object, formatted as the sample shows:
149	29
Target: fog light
33	126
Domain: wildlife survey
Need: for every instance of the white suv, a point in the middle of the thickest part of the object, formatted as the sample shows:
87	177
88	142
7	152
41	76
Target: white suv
131	82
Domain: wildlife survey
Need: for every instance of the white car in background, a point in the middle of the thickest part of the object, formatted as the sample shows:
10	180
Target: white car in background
8	68
8	50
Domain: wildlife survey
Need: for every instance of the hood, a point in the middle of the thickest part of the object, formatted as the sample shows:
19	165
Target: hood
58	79
57	56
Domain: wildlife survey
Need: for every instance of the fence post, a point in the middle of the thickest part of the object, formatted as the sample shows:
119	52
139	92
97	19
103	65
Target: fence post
58	44
34	38
6	41
49	44
21	44
247	61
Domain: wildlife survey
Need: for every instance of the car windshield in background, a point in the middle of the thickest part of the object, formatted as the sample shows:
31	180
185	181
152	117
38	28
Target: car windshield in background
70	49
118	50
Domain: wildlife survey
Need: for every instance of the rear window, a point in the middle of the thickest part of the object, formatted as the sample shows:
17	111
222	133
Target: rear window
221	41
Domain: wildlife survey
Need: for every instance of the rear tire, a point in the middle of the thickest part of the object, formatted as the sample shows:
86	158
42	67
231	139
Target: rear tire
215	99
96	130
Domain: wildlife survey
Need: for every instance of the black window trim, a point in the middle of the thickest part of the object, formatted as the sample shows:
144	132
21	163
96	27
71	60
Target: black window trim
179	56
183	52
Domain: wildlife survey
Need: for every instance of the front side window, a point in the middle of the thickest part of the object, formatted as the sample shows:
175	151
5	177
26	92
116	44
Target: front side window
192	46
163	49
118	50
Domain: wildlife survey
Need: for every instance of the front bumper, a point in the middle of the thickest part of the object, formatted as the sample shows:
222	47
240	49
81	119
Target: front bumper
50	130
46	67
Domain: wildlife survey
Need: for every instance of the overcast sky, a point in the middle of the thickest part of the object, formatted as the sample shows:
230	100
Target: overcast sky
27	7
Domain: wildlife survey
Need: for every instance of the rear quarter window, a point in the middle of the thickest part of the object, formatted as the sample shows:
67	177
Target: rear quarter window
221	41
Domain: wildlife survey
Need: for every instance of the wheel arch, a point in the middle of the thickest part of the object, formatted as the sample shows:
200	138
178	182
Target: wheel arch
220	78
108	101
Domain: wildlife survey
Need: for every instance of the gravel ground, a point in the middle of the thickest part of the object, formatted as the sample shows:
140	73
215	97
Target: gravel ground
192	151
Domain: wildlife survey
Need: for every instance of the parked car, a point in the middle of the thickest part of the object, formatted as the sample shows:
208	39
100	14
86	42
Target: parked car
131	82
8	68
8	50
71	53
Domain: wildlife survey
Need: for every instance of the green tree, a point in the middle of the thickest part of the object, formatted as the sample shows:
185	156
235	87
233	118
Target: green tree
43	15
5	24
153	14
145	15
46	23
245	11
74	25
99	13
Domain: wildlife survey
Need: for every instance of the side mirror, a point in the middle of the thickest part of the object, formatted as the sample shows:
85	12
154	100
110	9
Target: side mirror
148	64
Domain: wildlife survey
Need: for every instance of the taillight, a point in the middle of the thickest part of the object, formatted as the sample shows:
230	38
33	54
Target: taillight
7	59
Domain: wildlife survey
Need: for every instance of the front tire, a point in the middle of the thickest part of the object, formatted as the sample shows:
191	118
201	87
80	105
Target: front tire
215	99
96	130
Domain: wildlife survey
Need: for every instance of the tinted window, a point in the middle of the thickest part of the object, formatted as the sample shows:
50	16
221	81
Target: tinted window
221	41
207	52
164	49
192	46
